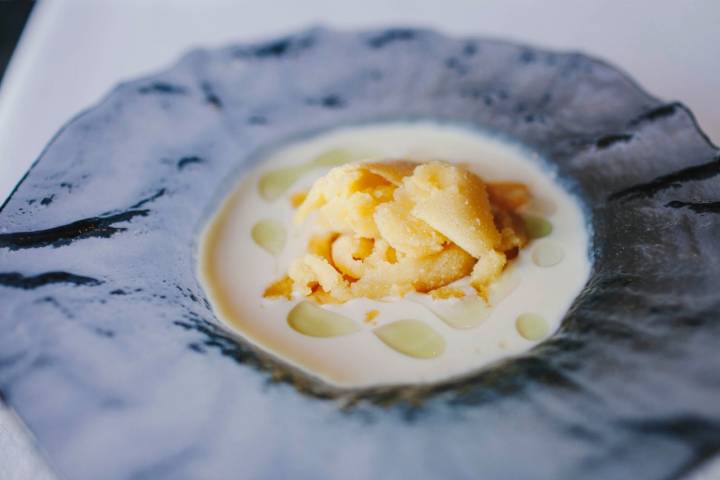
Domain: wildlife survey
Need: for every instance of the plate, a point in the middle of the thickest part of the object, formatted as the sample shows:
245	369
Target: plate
111	355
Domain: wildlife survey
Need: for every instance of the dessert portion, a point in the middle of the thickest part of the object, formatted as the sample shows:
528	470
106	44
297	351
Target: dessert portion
392	227
395	254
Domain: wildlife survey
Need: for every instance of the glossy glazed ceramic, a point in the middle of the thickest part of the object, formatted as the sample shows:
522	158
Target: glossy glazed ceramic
110	354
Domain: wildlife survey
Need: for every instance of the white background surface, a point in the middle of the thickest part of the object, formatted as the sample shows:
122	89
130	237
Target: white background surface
73	51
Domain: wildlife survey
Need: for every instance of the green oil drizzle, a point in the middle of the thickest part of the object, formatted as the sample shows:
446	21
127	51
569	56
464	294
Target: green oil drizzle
531	326
548	254
269	235
537	227
467	313
412	338
309	319
275	183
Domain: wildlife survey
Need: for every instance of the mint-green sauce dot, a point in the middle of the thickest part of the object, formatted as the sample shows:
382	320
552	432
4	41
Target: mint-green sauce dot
537	227
269	235
412	338
309	319
531	326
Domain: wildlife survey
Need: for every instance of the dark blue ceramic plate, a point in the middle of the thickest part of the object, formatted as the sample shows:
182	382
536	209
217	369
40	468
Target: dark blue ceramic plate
110	354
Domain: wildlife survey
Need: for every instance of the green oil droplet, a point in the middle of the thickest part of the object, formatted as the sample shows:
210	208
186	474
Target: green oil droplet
334	158
467	313
412	338
537	227
309	319
275	183
531	326
269	235
548	254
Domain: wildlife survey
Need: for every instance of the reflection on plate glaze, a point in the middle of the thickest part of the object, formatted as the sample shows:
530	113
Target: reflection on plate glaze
452	330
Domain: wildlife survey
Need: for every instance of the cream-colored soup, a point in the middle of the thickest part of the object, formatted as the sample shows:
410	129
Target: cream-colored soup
251	240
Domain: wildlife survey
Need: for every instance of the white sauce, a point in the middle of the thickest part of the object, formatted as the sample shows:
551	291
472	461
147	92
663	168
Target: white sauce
235	271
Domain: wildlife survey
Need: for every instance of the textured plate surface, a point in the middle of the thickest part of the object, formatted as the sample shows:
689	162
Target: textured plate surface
110	354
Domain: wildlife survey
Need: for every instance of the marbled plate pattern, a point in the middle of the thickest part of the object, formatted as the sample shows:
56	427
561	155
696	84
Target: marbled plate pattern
110	354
